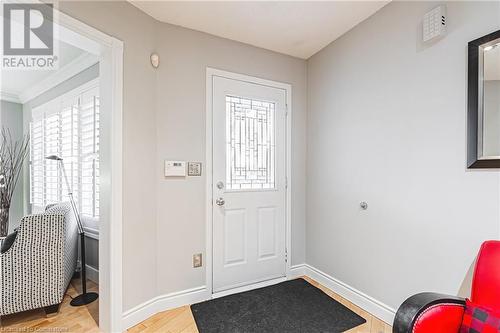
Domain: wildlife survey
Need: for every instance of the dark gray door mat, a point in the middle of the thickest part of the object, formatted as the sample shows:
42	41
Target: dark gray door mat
290	306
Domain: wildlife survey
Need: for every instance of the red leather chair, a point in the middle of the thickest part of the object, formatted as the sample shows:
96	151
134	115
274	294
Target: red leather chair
437	313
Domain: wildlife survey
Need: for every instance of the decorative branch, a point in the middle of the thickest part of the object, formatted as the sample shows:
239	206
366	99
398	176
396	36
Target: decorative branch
13	153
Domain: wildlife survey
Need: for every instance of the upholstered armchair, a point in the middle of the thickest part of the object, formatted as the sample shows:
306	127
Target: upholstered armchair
437	313
38	266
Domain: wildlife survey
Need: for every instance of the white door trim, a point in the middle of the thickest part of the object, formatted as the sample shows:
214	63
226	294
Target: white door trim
212	72
110	246
110	51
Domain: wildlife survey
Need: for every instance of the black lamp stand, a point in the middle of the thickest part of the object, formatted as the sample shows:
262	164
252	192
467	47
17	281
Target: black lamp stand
86	297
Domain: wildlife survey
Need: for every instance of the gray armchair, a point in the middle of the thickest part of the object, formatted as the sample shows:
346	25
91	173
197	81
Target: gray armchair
37	268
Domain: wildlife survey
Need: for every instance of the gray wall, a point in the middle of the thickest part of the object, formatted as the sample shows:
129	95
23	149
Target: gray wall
11	118
92	258
181	97
164	118
386	125
399	146
137	31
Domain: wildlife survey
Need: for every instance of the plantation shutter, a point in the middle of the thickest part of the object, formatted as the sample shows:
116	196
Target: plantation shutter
37	164
68	127
89	138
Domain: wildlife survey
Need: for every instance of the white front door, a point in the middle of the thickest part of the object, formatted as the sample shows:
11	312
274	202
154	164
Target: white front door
249	147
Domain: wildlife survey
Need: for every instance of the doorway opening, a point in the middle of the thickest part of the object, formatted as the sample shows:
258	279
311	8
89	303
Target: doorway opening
73	114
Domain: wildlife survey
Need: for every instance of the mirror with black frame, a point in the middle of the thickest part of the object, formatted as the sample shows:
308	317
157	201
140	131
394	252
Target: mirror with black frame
484	102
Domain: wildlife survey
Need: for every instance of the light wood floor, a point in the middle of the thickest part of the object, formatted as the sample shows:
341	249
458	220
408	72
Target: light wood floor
68	319
179	320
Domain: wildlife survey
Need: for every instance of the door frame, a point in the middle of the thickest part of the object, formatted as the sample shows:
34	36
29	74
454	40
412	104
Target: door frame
110	51
211	73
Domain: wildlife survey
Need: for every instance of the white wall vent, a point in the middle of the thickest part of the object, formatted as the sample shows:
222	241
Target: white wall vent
434	24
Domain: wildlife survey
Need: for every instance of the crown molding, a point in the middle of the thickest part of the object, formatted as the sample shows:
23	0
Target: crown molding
64	73
10	97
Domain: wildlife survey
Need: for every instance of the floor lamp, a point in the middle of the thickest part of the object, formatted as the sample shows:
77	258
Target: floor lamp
85	297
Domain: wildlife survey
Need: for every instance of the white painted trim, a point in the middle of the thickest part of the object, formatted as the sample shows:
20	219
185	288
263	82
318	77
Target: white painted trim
367	303
211	72
173	300
91	233
81	35
190	296
289	178
208	182
248	287
247	78
110	52
92	274
162	303
114	228
10	97
297	271
80	39
76	66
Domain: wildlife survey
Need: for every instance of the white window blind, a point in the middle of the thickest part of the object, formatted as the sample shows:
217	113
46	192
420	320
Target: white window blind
67	126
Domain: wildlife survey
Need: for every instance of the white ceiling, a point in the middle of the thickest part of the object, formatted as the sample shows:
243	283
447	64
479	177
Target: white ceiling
299	28
15	82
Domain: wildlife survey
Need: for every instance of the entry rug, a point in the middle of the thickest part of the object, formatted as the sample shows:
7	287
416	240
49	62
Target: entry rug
291	306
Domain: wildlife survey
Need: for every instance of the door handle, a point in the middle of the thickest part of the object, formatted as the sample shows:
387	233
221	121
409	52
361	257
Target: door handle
220	201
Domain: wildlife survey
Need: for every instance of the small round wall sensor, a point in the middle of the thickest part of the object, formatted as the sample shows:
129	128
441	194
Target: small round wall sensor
155	60
363	205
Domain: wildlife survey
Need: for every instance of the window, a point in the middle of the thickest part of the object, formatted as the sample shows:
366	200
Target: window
250	144
67	126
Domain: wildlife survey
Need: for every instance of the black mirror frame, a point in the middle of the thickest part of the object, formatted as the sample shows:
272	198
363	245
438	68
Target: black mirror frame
473	162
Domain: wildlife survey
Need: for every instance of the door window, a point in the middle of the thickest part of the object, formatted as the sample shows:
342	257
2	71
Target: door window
250	144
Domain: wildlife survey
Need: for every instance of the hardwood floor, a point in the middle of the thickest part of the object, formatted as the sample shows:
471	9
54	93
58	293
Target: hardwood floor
372	325
68	319
179	320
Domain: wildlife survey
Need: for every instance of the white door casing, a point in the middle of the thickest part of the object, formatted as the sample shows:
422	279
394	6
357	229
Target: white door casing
110	52
248	182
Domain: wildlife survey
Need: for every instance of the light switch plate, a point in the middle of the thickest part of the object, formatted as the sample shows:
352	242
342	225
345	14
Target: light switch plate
194	168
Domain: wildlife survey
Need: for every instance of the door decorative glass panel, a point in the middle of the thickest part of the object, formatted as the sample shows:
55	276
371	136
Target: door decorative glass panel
250	144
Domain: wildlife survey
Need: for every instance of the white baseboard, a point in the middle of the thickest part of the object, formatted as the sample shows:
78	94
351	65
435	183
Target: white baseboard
92	274
162	303
297	271
189	296
367	303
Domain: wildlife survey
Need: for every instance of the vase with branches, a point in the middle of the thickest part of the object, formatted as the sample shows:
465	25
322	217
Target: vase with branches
13	154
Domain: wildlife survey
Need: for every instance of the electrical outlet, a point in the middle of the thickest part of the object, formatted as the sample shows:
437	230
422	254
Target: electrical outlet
197	260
